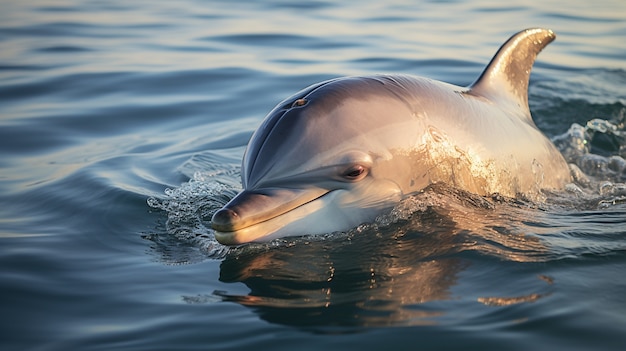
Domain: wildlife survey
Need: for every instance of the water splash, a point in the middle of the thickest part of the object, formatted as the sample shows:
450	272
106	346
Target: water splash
188	208
596	153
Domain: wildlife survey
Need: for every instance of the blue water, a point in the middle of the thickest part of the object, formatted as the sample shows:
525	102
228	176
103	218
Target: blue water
122	126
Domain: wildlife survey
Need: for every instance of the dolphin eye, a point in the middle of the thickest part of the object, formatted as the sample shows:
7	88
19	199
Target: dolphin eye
355	172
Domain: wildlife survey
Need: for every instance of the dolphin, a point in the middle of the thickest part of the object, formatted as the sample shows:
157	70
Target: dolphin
341	152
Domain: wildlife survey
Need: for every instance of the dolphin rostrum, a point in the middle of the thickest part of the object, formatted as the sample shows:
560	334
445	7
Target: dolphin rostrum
341	152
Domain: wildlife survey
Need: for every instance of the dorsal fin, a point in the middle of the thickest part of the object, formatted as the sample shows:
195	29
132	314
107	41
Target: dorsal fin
507	75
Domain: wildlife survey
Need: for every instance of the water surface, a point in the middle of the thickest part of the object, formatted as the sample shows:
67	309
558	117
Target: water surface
122	126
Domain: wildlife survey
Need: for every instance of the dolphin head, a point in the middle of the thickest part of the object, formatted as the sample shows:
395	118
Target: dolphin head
323	160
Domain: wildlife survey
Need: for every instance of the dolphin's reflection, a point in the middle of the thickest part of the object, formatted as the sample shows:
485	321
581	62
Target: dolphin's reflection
382	276
379	276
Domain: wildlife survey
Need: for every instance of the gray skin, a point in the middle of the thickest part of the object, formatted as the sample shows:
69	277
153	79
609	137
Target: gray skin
341	152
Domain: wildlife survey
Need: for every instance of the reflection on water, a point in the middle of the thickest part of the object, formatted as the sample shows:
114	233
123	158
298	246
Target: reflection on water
389	273
375	279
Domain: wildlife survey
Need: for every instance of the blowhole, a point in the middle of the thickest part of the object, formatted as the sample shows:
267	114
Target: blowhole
299	102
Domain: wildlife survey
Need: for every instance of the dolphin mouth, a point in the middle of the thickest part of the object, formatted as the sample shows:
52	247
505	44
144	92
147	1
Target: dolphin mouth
247	216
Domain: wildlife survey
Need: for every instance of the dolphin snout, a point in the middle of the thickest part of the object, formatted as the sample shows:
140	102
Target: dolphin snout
225	220
251	207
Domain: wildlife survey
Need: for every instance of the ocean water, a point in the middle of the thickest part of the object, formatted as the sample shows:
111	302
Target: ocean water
122	127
